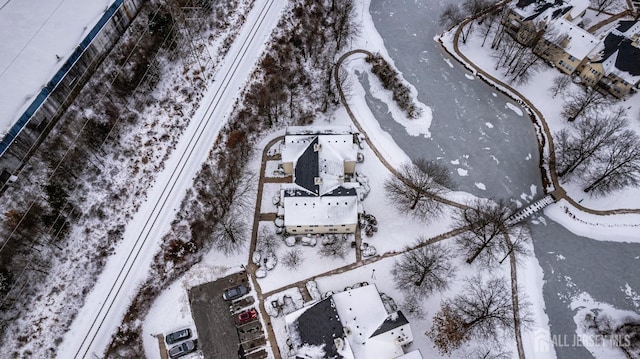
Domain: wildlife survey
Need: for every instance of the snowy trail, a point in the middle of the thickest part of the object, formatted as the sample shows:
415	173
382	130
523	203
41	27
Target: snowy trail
105	306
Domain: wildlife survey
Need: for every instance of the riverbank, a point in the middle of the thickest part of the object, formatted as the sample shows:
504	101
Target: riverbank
614	217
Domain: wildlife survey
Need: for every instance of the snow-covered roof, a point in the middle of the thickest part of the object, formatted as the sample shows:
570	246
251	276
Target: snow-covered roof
578	7
628	28
319	156
315	327
580	42
361	310
317	130
362	313
411	355
618	54
338	207
36	38
546	10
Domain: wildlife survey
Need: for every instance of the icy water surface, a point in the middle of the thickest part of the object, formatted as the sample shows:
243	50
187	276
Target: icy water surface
491	151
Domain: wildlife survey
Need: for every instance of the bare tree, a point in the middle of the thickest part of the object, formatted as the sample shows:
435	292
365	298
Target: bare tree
267	240
484	310
576	147
472	9
230	234
413	306
422	271
344	25
617	166
586	99
337	248
488	21
415	190
293	258
452	15
486	350
560	83
488	230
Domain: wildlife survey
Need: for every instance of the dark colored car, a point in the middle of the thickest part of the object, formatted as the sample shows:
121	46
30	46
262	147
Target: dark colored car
247	316
182	349
235	292
178	336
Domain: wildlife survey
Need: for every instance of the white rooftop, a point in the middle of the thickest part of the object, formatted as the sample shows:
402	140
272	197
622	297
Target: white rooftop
314	130
32	33
581	43
578	7
411	355
320	210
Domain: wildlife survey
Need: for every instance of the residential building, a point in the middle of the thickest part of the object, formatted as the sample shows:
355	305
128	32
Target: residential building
552	28
525	20
323	196
353	324
615	64
566	46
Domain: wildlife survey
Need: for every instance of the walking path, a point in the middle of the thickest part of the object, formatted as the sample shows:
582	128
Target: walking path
547	165
548	173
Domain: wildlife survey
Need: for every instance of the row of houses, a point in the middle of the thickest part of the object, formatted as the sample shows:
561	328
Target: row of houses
610	61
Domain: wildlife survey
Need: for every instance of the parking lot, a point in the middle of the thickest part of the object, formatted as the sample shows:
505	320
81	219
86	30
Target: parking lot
220	335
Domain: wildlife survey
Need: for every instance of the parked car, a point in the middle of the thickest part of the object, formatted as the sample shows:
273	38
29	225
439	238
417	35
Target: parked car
178	336
182	349
247	316
235	292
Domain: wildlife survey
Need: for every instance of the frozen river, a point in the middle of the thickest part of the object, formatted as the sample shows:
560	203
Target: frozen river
491	150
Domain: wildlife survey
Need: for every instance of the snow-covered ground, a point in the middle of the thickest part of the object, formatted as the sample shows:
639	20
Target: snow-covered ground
396	231
36	38
171	309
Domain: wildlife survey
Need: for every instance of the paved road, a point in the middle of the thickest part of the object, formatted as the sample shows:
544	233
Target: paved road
96	322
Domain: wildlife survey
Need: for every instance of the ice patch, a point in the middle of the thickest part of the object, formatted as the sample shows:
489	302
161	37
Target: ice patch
560	257
481	186
632	295
495	159
462	172
494	94
455	162
528	157
513	108
489	124
448	62
542	220
469	76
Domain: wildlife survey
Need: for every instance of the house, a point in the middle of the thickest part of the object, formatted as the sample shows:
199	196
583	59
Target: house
323	196
525	20
353	324
615	64
566	46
